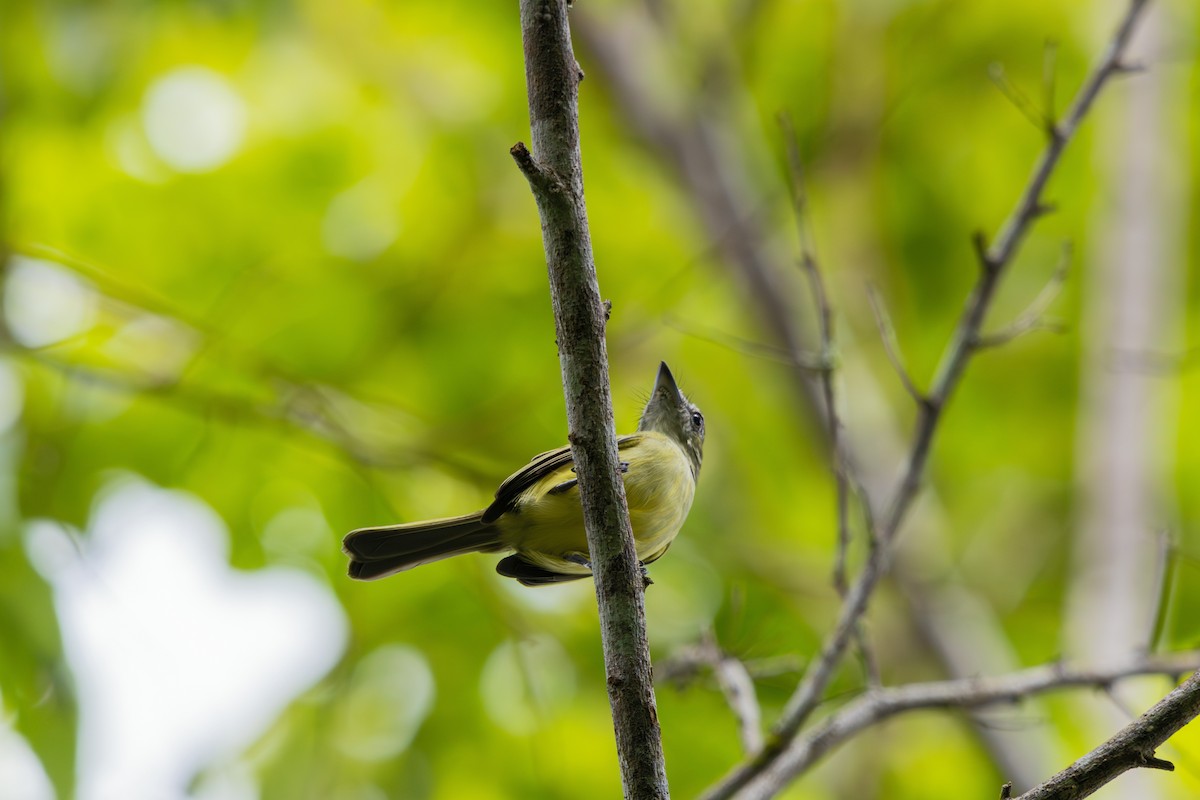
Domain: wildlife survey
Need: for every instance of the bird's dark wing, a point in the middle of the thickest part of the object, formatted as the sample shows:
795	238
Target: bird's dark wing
515	566
542	465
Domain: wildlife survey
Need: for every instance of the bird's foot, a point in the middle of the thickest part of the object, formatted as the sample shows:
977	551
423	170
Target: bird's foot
580	559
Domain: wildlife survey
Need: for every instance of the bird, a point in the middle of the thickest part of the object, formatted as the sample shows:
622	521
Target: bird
537	515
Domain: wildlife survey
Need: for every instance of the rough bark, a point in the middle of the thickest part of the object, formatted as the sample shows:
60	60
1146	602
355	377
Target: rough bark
1133	747
555	175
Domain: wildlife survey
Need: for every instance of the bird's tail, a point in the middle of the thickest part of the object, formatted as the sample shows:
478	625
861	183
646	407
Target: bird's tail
379	552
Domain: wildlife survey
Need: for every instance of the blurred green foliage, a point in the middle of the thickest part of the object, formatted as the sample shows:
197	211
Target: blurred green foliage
348	312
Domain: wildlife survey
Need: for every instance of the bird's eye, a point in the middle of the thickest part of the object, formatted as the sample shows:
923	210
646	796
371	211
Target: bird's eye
697	420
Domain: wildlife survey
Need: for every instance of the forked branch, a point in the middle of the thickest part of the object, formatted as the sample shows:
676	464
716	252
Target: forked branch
994	261
881	704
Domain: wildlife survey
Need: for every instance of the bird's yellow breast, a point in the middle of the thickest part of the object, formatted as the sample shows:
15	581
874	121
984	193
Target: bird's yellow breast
547	523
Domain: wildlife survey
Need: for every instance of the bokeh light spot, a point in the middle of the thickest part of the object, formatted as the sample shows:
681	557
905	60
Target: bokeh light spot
180	661
194	119
12	396
45	303
361	222
524	682
392	693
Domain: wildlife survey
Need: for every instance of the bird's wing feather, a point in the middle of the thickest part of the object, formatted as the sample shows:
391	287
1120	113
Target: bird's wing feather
542	465
515	566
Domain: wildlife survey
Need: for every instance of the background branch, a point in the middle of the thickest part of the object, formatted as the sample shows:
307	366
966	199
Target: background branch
878	705
820	298
1133	747
887	334
734	678
811	267
995	260
1034	316
719	179
555	175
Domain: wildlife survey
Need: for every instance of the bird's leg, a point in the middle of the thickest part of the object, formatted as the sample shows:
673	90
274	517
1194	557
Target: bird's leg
582	560
622	467
578	558
568	485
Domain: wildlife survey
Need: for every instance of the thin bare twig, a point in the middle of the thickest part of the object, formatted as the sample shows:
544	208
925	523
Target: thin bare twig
1033	317
820	297
833	424
1050	82
738	688
734	678
994	260
887	333
682	667
1018	98
1166	576
1019	329
878	705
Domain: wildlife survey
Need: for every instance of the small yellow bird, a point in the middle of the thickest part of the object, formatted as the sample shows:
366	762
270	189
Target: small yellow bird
537	512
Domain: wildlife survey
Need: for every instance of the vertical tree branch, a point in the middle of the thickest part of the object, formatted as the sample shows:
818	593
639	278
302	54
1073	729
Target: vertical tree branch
556	177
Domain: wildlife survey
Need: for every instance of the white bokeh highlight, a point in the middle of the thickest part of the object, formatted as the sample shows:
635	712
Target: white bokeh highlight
180	661
22	773
45	303
195	121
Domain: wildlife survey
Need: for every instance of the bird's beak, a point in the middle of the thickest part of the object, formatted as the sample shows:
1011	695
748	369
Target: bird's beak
662	412
665	382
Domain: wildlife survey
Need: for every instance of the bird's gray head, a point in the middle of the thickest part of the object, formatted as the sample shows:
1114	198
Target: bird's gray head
670	413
